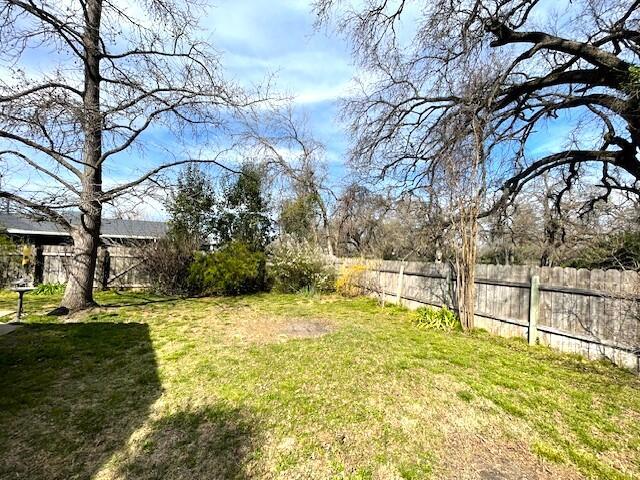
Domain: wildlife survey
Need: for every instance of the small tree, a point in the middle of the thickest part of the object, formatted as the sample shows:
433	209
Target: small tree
243	213
465	184
191	206
298	217
470	139
297	160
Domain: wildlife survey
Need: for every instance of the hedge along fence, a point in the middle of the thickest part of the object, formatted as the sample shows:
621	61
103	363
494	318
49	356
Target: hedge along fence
594	313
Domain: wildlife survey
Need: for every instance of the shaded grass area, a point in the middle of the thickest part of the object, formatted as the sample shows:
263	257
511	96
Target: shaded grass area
71	394
36	306
218	388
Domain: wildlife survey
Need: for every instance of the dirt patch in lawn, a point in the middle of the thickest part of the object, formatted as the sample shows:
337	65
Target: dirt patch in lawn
276	329
306	329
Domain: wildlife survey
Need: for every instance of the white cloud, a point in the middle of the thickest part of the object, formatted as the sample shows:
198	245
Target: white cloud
324	93
256	39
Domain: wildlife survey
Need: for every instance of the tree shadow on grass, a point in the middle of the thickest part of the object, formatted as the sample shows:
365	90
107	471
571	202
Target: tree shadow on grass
141	303
71	395
213	442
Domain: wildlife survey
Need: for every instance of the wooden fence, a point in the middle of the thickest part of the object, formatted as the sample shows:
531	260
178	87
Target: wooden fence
118	266
594	313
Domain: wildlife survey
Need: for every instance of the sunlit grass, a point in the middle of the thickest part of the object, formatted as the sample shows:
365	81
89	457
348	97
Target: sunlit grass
146	387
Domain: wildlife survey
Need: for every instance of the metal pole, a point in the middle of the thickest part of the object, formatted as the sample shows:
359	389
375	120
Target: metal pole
19	312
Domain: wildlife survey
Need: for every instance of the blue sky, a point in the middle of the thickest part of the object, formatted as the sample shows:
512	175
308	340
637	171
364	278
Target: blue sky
257	39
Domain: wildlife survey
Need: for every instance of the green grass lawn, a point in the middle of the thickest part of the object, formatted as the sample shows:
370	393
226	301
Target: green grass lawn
286	386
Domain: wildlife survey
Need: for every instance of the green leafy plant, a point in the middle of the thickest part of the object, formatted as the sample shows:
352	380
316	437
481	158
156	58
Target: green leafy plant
191	205
308	291
49	289
232	270
620	250
9	261
632	87
295	265
432	318
243	213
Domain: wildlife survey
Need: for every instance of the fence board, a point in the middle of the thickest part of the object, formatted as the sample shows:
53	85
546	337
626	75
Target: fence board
595	313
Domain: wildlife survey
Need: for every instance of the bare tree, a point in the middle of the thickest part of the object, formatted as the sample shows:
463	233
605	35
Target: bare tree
485	73
373	225
358	219
584	63
282	139
466	141
114	71
536	229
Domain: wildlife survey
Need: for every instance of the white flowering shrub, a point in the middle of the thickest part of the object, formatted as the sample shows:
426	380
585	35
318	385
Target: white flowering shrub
295	266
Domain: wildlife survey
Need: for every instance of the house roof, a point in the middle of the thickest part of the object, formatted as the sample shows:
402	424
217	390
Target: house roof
111	227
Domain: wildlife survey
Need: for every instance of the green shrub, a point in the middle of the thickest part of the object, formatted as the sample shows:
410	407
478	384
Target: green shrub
49	289
618	250
298	265
308	291
232	270
433	318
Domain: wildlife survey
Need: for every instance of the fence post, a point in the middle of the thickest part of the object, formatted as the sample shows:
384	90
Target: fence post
400	279
382	289
534	309
38	267
106	269
451	288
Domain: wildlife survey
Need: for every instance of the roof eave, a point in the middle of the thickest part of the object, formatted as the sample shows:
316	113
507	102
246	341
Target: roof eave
18	231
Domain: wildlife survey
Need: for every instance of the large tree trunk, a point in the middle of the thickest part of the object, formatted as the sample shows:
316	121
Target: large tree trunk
79	291
86	235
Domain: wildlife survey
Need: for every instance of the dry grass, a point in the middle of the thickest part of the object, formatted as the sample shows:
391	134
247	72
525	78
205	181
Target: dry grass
290	387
